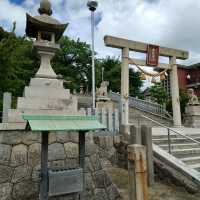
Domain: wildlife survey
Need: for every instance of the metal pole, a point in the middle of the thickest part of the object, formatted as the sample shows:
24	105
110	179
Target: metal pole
44	167
93	62
82	159
169	141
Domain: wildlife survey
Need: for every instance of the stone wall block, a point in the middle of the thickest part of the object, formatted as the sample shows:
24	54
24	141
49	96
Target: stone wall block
25	190
62	137
19	155
73	137
88	165
90	149
5	191
100	194
101	179
11	138
34	155
21	173
36	175
116	140
71	150
56	152
5	153
30	138
113	192
89	182
58	164
52	138
95	161
5	174
71	163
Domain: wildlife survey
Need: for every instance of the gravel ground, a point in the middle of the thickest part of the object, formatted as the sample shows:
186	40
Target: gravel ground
160	191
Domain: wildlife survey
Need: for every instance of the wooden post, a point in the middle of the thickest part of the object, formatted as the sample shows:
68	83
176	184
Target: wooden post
175	93
146	135
135	135
137	168
44	187
125	89
82	159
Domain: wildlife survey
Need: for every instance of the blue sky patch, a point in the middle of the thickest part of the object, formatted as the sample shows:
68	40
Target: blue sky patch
17	1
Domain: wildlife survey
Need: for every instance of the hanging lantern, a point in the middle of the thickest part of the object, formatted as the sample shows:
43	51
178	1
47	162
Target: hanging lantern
142	77
162	77
153	80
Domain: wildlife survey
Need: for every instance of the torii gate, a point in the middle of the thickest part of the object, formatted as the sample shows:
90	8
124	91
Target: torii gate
172	54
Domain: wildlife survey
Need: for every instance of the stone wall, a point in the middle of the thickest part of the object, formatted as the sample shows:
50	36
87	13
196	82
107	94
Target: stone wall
113	149
20	165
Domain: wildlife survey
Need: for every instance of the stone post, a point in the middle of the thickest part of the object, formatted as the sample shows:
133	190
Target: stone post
175	93
146	135
125	89
7	101
137	168
135	135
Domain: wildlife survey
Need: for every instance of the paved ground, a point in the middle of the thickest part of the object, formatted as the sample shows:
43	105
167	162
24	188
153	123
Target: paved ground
160	191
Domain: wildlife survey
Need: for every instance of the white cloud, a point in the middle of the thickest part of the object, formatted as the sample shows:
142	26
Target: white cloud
168	23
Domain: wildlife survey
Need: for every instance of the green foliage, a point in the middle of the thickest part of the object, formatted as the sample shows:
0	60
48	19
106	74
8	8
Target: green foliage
183	96
73	61
158	93
19	62
112	73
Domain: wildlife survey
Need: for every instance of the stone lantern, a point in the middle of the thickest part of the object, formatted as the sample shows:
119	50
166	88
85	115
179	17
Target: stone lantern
45	94
47	31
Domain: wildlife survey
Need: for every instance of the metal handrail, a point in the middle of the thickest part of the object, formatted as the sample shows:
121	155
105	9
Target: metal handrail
146	106
169	130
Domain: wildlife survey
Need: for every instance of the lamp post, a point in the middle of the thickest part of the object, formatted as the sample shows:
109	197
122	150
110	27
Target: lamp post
92	5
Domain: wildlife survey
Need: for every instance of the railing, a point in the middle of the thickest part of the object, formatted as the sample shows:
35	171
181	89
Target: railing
169	132
143	105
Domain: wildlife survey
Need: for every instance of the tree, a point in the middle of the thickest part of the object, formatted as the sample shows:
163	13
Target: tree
73	61
158	93
183	97
18	63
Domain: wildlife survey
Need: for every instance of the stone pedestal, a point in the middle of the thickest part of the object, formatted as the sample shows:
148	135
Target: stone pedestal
192	118
105	103
44	96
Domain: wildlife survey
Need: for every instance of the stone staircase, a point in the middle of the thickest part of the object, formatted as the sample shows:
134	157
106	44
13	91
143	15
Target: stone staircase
185	153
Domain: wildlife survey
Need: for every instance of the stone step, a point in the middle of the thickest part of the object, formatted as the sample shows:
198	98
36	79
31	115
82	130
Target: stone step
195	166
191	160
160	141
183	153
165	136
180	146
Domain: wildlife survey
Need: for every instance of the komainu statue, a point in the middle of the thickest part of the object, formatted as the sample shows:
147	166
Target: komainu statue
193	99
103	90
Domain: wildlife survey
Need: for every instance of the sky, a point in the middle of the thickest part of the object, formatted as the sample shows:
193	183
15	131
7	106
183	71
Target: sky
171	23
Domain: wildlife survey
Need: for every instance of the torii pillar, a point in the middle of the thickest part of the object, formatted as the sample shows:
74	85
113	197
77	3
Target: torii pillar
172	54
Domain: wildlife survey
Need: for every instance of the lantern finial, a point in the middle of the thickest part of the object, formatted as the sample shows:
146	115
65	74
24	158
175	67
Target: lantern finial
45	7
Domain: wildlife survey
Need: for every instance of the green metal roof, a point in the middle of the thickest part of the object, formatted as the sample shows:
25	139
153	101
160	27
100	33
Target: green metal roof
62	123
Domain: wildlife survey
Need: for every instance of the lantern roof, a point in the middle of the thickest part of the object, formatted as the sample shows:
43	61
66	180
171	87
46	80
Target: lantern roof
44	22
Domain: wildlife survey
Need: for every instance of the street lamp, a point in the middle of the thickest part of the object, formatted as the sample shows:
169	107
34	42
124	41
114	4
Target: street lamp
92	5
